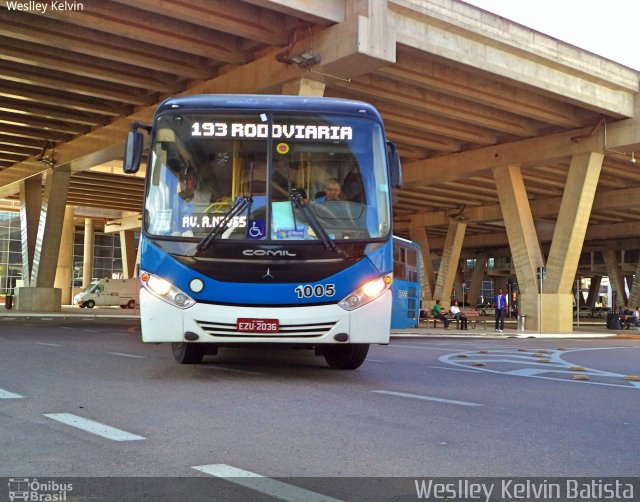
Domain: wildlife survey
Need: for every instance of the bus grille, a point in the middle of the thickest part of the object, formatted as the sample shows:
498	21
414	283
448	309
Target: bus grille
311	330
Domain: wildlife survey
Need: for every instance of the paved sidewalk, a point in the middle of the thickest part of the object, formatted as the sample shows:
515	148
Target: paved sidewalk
74	312
587	329
592	329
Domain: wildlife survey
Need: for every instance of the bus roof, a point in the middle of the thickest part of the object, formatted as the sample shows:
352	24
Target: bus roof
264	102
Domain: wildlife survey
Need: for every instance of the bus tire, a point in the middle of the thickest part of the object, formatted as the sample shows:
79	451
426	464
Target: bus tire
346	357
90	304
131	304
187	353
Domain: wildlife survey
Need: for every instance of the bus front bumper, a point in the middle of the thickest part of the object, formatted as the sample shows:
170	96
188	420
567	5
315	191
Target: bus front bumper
218	324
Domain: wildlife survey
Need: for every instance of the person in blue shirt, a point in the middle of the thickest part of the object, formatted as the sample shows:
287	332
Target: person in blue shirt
500	302
332	191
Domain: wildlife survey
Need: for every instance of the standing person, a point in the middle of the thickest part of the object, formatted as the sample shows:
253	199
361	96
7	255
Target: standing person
439	314
458	315
500	302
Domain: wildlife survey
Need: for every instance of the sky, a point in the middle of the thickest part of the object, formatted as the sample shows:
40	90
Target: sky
608	28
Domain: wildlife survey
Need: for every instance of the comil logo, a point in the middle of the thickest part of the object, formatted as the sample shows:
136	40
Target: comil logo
267	252
37	491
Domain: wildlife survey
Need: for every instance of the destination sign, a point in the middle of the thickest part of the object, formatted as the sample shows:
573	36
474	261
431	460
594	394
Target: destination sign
306	132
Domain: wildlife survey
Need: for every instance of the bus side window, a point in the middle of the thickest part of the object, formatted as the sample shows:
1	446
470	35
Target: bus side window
399	263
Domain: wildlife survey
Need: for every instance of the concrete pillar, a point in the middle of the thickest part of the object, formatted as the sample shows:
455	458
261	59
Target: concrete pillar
128	253
628	279
41	296
615	277
594	289
568	238
87	259
523	239
457	285
419	235
54	202
479	271
449	263
634	293
304	87
64	272
30	206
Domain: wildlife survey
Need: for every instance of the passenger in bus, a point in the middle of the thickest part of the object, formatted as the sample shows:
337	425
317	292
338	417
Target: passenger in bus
458	315
438	313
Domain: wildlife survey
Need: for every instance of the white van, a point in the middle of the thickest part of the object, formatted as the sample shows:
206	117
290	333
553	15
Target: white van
110	292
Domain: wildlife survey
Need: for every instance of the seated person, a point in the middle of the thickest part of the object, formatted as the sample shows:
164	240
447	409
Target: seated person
438	313
458	315
633	319
625	313
332	191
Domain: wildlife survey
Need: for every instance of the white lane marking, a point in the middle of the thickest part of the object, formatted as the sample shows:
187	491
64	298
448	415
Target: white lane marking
5	394
97	428
427	398
373	360
531	372
49	344
122	354
262	484
231	370
453	369
556	365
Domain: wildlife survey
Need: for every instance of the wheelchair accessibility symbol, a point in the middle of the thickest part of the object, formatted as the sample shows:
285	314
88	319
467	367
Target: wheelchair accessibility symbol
256	229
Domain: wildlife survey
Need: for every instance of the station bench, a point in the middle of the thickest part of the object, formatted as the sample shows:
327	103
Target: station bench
473	318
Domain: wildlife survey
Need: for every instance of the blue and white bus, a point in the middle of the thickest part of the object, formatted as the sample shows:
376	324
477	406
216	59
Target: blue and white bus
405	312
241	242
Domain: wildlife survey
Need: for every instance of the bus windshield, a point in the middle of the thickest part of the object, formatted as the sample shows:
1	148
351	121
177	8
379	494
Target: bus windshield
267	177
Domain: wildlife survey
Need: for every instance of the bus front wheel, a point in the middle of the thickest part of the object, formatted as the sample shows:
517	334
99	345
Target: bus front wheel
187	353
346	357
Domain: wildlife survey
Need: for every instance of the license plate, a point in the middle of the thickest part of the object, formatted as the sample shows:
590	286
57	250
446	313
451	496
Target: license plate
248	325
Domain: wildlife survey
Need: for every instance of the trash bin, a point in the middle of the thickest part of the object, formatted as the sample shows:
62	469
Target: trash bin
521	322
8	302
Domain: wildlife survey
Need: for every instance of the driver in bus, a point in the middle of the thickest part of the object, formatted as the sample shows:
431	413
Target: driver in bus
332	191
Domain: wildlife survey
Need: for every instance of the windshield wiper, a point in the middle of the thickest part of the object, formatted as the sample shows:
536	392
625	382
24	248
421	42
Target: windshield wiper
297	196
243	202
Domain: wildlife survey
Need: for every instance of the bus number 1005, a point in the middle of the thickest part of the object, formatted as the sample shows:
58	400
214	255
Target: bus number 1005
317	291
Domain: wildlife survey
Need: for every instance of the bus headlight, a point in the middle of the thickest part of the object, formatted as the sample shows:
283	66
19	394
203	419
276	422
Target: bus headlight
163	289
366	293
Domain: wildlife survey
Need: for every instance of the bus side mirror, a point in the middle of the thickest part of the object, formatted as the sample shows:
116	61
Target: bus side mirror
395	169
133	149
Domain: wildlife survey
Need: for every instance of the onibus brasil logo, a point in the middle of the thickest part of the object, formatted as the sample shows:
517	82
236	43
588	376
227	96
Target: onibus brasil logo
34	490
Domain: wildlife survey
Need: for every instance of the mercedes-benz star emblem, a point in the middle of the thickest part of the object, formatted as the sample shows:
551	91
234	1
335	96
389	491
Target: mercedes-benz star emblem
267	275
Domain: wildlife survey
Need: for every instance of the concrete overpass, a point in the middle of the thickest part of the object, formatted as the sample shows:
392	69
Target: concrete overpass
509	138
